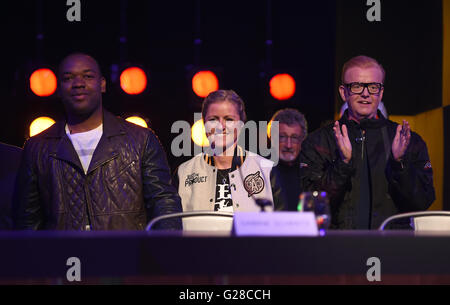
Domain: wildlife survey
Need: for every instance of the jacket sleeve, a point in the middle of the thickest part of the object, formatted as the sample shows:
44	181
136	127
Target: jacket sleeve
175	179
27	208
411	180
321	167
279	201
160	196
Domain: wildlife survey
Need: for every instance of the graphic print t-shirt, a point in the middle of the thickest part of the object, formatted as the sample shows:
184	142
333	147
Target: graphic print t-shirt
223	201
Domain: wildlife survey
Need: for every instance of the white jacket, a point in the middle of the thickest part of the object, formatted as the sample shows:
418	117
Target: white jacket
250	181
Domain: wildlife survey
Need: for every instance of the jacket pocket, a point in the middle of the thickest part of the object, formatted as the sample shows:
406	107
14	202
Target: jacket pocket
122	170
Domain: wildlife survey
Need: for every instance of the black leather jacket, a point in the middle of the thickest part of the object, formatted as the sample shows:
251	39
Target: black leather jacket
128	181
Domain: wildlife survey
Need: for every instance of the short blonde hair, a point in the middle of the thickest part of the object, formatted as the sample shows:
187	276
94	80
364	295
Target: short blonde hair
361	62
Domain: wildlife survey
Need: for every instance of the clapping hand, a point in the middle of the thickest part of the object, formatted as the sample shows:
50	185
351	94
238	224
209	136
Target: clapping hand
401	140
343	142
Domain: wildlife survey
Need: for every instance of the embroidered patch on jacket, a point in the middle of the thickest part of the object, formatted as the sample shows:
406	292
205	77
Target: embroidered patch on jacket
427	165
194	178
254	184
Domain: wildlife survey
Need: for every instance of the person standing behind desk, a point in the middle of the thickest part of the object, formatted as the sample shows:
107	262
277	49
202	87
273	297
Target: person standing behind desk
226	178
371	168
293	129
92	171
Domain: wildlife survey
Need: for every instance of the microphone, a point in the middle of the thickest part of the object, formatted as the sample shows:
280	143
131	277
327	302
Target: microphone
263	203
360	140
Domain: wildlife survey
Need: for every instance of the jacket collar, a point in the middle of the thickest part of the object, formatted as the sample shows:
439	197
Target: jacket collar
238	158
104	151
111	127
364	124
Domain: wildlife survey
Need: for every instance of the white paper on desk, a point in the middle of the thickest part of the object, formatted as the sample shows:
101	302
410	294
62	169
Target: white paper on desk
275	224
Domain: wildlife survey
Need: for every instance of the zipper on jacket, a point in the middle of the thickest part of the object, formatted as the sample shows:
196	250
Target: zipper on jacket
87	194
363	139
88	199
106	161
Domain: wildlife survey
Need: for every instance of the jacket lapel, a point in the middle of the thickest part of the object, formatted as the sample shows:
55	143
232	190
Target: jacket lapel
105	150
64	149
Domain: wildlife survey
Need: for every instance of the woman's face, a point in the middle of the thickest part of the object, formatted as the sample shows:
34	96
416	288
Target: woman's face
222	125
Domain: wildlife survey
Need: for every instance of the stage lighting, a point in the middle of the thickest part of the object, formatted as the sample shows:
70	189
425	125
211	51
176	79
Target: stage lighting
133	80
282	86
198	134
43	82
40	124
137	120
204	82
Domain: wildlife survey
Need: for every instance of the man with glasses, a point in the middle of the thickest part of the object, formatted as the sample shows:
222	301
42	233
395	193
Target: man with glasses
293	129
370	167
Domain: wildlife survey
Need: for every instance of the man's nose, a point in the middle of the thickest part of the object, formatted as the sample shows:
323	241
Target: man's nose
365	92
289	142
78	82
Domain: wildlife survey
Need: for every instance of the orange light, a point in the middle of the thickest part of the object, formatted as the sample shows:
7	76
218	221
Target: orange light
282	86
133	80
43	82
137	120
198	134
204	82
40	124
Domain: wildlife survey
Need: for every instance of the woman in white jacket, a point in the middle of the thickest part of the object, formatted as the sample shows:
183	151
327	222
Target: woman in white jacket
225	177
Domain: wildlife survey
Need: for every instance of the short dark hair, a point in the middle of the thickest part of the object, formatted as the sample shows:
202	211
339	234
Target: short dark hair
79	54
225	95
290	117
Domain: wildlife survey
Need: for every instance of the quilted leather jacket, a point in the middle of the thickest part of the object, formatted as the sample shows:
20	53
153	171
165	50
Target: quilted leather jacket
128	181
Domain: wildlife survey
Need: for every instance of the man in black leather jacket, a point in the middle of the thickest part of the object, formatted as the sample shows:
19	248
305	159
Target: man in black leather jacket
371	168
93	171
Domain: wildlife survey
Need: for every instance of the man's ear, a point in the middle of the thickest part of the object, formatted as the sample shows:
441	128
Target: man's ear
342	93
103	84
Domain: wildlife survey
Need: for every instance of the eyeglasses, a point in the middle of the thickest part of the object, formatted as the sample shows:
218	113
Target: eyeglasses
294	139
358	88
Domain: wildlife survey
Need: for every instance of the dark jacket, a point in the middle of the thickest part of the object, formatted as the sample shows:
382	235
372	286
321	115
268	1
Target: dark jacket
289	175
395	187
128	181
9	164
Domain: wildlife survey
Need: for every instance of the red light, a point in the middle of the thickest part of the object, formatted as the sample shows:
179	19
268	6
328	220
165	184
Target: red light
43	82
204	82
282	86
133	80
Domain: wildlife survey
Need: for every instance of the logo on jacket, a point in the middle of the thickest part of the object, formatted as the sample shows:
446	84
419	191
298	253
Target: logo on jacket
254	184
194	178
427	165
303	165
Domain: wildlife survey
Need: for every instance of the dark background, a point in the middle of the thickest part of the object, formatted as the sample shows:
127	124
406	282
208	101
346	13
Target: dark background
310	40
